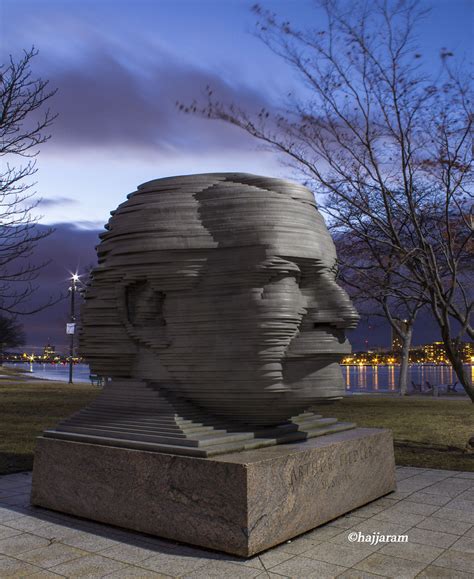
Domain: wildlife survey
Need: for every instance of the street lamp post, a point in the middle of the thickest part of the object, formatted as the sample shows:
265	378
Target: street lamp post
71	327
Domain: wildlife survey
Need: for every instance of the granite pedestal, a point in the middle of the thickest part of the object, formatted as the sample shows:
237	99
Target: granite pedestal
240	503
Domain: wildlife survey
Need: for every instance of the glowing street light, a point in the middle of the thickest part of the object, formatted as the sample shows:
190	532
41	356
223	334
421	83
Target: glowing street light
71	325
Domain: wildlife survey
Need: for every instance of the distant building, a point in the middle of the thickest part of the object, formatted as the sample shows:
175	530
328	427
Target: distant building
417	355
49	351
434	352
467	352
396	341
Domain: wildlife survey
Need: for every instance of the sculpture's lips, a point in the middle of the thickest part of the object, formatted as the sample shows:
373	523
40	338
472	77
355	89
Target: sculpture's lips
319	341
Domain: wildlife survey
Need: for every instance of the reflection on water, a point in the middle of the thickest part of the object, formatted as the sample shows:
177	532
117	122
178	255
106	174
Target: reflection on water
391	378
53	371
385	378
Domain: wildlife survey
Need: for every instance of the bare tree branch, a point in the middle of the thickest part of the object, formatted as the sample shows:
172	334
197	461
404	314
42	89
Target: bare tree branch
23	125
387	147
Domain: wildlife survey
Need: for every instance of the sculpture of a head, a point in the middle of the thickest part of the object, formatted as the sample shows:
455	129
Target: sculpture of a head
220	288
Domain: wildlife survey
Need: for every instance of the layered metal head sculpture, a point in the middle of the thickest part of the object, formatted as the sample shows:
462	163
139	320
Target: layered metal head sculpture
219	289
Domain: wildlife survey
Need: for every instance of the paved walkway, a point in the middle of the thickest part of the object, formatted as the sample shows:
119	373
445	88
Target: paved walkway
435	508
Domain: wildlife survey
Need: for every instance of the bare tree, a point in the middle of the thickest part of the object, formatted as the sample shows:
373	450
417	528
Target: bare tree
384	144
371	277
23	122
11	333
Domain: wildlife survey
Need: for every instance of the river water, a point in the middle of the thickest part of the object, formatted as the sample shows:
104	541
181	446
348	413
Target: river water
53	371
358	378
385	378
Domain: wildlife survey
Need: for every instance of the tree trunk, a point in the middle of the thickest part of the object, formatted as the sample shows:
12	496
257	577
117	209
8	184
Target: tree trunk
404	360
455	359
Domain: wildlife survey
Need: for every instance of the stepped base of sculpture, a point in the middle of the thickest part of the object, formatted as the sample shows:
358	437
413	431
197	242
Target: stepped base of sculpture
137	414
241	503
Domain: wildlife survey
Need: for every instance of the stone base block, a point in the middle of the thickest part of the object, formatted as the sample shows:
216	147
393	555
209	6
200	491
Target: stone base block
240	503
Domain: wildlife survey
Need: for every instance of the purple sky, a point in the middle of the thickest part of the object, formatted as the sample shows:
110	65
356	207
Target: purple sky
120	66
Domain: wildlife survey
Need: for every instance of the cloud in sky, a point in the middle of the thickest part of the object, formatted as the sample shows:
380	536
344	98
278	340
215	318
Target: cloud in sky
55	201
119	73
118	125
120	67
101	102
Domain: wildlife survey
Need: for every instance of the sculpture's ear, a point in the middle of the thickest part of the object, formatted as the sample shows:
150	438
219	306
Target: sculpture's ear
144	305
142	313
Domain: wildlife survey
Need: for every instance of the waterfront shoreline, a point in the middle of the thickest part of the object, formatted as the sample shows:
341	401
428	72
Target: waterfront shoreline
359	379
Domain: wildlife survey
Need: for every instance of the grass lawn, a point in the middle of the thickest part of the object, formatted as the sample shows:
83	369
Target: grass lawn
27	407
428	433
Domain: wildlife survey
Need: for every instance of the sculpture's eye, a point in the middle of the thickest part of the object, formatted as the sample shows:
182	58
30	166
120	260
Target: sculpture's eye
144	305
310	276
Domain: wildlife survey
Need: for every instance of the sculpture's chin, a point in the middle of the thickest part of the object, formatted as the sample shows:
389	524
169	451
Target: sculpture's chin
313	379
306	382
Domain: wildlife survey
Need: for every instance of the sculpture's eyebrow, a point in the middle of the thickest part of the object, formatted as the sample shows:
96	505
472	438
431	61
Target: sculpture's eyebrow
313	263
279	264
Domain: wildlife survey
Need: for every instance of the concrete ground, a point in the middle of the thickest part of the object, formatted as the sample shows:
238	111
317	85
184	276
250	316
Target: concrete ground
434	508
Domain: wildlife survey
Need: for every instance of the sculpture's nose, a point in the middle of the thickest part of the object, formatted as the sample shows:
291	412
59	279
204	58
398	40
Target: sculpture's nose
328	303
347	314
